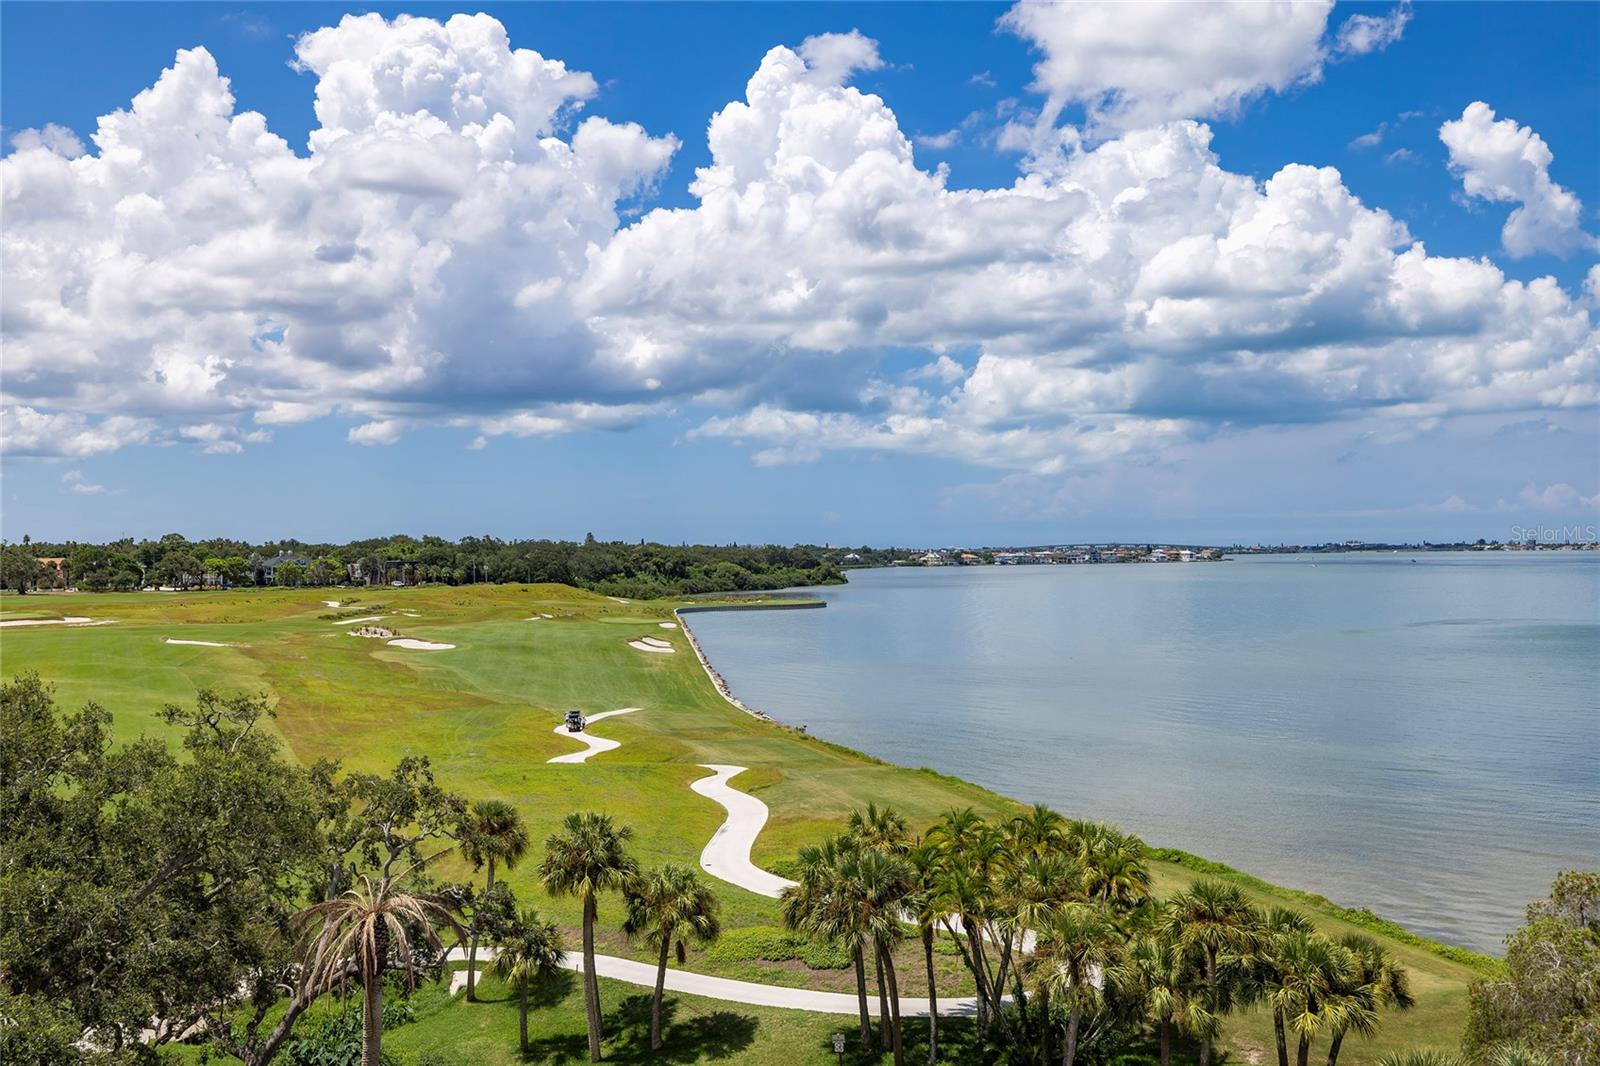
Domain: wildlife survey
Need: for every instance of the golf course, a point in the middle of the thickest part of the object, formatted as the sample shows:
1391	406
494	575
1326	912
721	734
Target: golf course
479	685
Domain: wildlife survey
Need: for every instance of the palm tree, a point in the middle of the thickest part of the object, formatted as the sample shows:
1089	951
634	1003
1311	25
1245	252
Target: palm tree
669	906
925	905
870	894
1275	925
356	932
1212	918
1312	970
1080	943
529	953
1039	831
1377	980
493	832
804	906
1171	989
588	856
882	828
1116	872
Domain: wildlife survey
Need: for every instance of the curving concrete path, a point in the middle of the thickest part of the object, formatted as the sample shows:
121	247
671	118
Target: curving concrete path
724	988
727	855
595	744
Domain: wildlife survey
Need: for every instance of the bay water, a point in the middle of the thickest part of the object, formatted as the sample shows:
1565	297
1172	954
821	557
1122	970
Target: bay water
1418	733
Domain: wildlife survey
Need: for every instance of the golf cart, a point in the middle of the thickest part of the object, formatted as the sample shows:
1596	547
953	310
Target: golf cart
575	722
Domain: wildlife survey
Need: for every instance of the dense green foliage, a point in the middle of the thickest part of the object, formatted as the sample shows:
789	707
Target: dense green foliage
1549	1000
635	571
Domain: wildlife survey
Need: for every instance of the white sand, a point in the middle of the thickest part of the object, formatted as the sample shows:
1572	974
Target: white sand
357	621
69	621
667	625
198	643
618	599
595	744
331	603
639	645
420	645
727	856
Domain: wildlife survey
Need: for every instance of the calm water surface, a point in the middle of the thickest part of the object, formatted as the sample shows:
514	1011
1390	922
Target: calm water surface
1415	734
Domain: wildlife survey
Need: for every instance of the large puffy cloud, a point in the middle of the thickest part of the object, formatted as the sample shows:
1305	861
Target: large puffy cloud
1502	162
412	262
448	251
1134	65
1133	295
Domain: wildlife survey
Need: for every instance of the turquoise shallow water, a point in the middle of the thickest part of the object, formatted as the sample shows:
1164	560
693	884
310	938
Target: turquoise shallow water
1418	734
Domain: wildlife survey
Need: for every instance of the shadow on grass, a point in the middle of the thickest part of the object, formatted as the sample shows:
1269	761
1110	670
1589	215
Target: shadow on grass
541	995
718	1034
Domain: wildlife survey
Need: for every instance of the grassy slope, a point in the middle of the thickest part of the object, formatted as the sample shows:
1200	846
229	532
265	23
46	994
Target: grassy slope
484	713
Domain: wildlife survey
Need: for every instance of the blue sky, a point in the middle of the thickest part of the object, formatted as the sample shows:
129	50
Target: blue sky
825	340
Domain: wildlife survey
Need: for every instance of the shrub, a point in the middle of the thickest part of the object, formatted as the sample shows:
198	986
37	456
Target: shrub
777	945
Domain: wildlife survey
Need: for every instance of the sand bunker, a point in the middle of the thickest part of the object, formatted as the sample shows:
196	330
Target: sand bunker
640	645
420	645
667	625
69	621
353	621
331	603
198	643
617	599
656	642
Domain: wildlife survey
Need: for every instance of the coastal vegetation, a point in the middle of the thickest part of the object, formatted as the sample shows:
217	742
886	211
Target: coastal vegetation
422	739
635	570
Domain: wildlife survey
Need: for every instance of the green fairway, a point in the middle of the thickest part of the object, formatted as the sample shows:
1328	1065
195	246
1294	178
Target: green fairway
484	713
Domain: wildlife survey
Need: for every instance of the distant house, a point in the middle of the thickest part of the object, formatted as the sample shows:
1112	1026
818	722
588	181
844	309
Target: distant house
853	557
1158	556
266	570
58	563
1185	555
933	559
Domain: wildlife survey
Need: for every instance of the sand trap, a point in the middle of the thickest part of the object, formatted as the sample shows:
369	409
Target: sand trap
595	744
198	643
639	645
330	603
69	621
420	645
617	599
655	642
353	621
727	856
667	625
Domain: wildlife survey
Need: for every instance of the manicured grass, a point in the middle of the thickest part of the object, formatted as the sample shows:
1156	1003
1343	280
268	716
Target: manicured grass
484	713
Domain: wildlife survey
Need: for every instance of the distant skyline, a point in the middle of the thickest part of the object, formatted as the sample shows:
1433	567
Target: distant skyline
909	274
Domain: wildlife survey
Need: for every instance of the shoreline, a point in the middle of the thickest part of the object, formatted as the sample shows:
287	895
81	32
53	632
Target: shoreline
718	682
1196	865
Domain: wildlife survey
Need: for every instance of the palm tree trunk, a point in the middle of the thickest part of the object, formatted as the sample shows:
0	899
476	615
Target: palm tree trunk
1166	1042
472	944
933	997
1069	1050
1044	1023
861	998
372	1020
1211	998
883	996
1304	1051
1277	1031
591	985
894	1005
655	1003
522	1013
1333	1048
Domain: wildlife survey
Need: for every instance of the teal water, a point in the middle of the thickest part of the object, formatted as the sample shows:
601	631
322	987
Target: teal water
1418	734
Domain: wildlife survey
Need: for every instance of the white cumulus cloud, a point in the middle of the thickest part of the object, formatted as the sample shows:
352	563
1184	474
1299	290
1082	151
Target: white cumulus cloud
1499	161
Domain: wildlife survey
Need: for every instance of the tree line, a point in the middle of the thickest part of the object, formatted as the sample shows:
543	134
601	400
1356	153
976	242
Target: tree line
633	570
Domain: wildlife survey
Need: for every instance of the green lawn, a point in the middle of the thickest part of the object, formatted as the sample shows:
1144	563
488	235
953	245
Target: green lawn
484	714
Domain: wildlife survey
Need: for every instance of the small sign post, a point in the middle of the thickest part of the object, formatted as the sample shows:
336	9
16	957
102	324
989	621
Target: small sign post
838	1045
